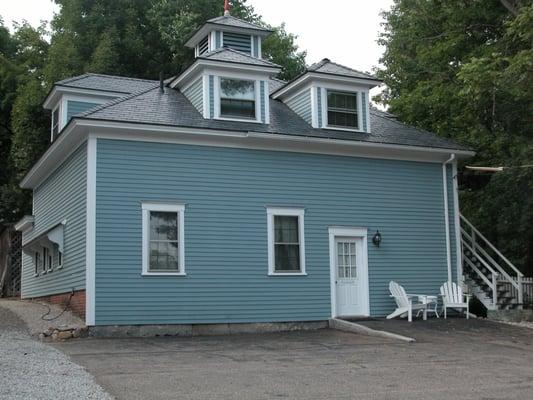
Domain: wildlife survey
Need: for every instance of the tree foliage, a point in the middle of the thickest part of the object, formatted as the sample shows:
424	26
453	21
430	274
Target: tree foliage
136	38
464	69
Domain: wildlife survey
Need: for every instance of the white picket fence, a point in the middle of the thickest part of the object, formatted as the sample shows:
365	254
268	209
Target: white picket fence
527	284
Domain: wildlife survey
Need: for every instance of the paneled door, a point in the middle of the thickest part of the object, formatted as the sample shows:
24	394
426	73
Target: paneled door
351	291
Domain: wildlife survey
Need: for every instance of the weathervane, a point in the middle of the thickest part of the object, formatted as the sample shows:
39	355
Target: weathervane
226	7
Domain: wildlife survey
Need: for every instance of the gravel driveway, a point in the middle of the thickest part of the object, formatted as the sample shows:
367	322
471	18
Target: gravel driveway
31	370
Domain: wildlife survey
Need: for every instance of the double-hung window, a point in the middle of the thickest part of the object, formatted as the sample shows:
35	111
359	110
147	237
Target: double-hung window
342	110
286	245
163	239
237	98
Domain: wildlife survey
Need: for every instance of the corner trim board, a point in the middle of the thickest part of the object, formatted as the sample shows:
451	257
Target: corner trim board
90	237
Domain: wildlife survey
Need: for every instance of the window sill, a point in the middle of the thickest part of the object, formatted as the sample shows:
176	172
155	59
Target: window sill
163	274
60	267
287	274
255	121
35	275
338	128
50	270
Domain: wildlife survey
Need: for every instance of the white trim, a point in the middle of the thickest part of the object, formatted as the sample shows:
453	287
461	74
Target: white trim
285	211
90	235
257	94
457	223
25	223
259	47
60	90
321	79
314	106
447	216
205	83
146	208
212	27
222	67
358	105
78	130
338	231
252	46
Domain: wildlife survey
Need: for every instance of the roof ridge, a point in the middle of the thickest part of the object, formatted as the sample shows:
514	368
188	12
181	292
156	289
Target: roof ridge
121	77
116	101
351	69
72	79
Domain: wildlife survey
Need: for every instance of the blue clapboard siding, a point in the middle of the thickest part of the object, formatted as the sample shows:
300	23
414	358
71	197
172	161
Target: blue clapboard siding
238	42
77	107
319	106
226	191
211	96
263	103
301	105
61	197
364	107
195	94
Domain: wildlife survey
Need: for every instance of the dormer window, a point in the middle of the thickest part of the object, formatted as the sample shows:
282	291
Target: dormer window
55	122
237	98
342	110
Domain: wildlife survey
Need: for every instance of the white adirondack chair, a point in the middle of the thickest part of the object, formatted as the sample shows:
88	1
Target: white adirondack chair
453	297
405	302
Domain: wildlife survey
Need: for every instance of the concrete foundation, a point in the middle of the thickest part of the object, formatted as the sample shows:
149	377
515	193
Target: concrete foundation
201	329
510	315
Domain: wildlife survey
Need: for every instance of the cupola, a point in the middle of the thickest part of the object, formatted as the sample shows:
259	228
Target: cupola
229	79
230	32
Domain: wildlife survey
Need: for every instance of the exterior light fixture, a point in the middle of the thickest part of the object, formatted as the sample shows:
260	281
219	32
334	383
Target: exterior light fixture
377	239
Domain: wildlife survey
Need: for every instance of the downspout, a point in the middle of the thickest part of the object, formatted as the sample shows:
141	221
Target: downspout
447	216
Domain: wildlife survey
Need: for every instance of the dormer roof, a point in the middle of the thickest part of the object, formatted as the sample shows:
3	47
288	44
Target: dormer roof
226	59
227	23
326	66
230	55
328	71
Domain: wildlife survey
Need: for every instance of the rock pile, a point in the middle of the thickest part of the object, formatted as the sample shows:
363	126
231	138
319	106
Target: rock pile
63	332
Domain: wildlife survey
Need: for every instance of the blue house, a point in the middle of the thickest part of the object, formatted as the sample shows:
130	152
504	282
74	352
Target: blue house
227	196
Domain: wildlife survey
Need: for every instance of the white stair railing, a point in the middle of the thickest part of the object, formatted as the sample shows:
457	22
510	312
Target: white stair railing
479	247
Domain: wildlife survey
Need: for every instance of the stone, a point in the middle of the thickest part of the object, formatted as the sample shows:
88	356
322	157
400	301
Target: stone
42	336
63	335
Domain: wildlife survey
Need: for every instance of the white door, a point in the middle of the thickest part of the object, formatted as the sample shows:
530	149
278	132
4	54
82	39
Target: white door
350	277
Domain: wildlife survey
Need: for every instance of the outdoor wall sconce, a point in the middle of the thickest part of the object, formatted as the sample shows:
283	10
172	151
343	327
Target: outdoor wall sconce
377	239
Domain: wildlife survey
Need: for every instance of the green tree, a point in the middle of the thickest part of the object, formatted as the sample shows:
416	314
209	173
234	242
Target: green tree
464	70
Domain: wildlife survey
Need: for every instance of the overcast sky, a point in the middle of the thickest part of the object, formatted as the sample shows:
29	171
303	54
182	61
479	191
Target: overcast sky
345	31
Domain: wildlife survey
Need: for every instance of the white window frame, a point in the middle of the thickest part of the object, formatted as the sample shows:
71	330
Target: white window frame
59	121
257	92
285	212
358	105
164	207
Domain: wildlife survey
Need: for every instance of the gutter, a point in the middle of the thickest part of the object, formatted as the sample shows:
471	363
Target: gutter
447	216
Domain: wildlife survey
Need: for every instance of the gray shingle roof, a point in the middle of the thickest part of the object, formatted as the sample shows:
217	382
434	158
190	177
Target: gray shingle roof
274	84
328	67
108	83
231	55
228	20
173	109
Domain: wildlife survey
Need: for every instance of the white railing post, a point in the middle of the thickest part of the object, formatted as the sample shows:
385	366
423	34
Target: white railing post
495	289
520	292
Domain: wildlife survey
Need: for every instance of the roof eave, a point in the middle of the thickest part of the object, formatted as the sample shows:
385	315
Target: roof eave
306	76
209	26
204	63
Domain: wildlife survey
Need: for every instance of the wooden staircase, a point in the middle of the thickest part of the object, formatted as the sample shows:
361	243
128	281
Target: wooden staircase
488	274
